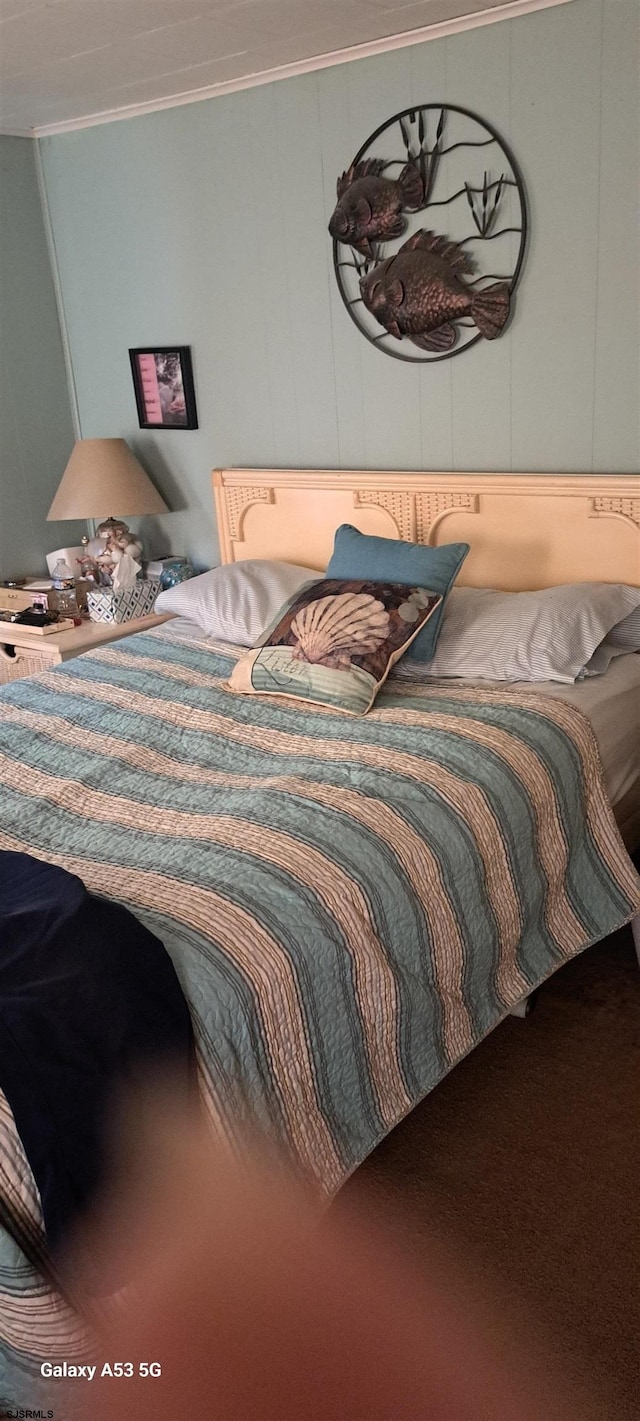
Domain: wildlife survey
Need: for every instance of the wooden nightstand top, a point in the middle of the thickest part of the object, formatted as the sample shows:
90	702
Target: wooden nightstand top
76	639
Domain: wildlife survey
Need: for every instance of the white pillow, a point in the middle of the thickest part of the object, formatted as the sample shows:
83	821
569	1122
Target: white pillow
549	635
239	601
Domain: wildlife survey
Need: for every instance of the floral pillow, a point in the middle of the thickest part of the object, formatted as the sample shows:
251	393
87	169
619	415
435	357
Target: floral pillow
334	642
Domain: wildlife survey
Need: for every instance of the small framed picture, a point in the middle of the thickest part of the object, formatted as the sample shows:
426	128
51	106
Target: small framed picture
163	382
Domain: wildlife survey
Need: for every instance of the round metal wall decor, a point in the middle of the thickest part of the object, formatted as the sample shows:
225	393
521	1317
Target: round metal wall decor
429	233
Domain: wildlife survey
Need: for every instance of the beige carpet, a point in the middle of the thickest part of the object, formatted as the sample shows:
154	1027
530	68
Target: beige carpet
528	1157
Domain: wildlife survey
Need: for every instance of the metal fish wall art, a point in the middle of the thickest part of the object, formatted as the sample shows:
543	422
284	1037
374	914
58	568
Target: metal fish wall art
421	290
370	206
439	291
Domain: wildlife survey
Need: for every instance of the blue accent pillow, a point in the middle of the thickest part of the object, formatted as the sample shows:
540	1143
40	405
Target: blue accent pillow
359	555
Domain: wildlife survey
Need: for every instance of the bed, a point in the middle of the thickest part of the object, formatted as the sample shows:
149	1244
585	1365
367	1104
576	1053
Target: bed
351	903
611	704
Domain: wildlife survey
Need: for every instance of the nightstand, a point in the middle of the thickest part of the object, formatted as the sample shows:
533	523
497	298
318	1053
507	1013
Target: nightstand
24	653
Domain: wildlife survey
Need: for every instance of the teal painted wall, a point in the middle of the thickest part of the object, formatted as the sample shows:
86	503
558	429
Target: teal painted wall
36	433
206	225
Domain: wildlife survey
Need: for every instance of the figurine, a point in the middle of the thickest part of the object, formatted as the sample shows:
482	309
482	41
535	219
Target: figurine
114	550
125	569
115	534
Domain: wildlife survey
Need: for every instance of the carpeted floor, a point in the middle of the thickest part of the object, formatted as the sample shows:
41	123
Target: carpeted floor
527	1158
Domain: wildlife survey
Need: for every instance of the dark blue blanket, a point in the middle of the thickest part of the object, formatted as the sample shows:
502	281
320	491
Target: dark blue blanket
89	1003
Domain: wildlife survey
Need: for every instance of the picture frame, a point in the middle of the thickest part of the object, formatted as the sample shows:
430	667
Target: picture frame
163	384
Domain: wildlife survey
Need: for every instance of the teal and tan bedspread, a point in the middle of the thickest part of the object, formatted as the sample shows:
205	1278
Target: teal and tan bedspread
351	904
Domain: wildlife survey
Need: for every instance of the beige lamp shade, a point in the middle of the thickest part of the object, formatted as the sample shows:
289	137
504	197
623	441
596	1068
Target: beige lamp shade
103	479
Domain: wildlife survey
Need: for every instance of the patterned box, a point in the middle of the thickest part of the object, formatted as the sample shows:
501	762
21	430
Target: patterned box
107	605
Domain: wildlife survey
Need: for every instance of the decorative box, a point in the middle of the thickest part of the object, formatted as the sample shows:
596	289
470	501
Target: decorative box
105	604
175	570
170	570
14	599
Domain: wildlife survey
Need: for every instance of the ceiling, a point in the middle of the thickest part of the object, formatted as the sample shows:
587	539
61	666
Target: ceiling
65	63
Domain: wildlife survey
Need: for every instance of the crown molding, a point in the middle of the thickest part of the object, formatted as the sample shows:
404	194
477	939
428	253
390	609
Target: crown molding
17	133
512	10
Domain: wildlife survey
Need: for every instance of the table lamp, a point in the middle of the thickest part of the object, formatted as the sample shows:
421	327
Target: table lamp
104	477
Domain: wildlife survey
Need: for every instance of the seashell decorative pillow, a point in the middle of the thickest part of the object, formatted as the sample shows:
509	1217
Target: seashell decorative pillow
334	642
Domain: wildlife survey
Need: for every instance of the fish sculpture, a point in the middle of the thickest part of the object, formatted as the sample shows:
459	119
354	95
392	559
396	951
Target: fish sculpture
421	290
369	207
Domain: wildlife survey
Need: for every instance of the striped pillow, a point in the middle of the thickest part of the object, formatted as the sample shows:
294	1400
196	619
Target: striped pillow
626	635
238	601
550	635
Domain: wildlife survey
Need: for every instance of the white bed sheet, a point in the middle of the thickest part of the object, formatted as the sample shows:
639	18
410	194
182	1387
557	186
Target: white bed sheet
611	702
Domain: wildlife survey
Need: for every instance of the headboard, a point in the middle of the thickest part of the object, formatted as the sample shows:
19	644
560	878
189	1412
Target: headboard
525	530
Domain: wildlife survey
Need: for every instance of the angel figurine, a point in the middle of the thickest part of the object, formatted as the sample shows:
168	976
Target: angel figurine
112	546
127	544
125	568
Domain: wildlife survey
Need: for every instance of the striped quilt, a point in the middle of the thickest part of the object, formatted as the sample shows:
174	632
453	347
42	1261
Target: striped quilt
351	903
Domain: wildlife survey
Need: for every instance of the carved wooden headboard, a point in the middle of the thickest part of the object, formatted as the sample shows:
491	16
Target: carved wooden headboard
525	530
